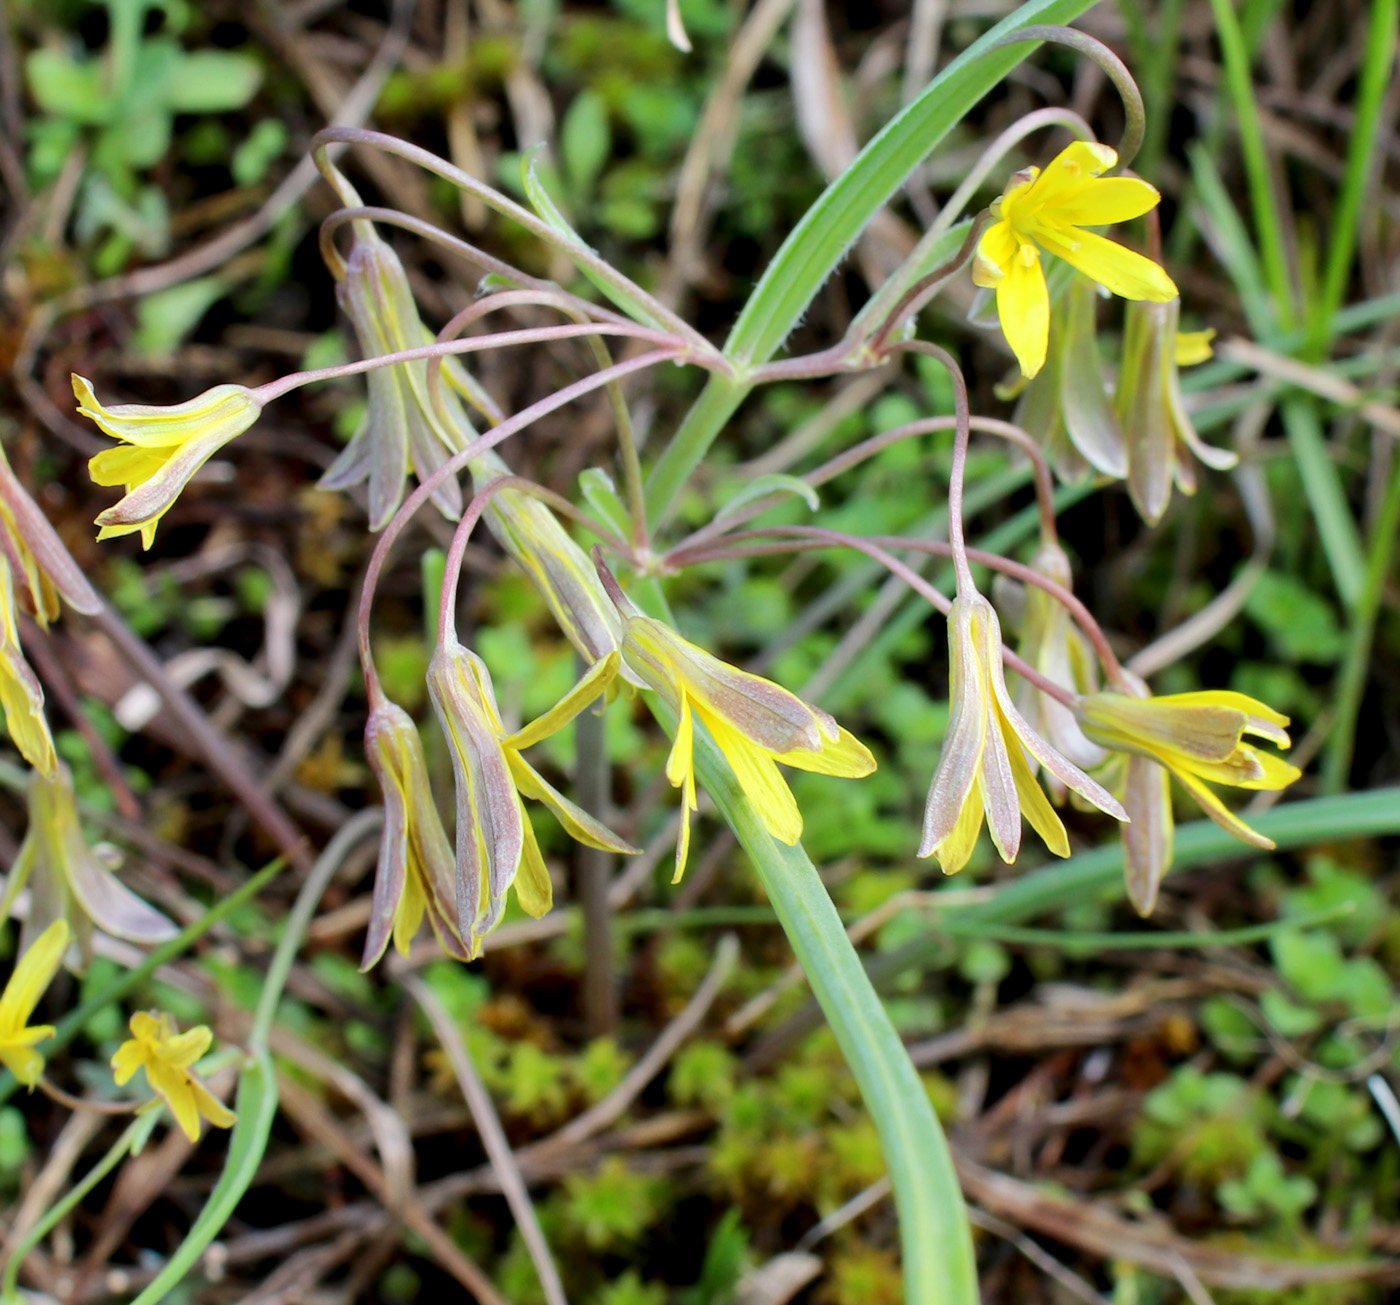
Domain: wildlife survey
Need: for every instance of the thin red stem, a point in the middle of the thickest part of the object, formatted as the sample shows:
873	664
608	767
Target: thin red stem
456	462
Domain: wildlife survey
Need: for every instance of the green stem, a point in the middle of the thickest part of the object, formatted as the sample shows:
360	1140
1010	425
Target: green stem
816	246
71	1023
1351	683
1323	488
940	1267
1263	200
1362	160
131	1140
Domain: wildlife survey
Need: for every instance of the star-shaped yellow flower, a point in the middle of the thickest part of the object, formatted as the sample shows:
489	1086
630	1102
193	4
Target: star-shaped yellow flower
31	976
166	1057
1047	211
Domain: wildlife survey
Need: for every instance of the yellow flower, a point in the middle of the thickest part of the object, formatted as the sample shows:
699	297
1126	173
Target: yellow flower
1198	738
66	879
1048	210
496	844
1156	427
163	448
32	975
166	1057
20	692
753	722
416	875
44	570
402	427
984	766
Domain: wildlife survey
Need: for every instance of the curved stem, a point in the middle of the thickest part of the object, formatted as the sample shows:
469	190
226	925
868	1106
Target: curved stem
924	289
457	461
264	394
958	476
796	539
1134	116
573	247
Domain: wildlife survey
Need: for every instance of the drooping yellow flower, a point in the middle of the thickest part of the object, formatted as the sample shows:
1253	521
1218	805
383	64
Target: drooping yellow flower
1200	739
167	1056
496	845
402	428
162	449
1048	211
67	881
416	874
20	692
32	975
984	766
755	723
1157	429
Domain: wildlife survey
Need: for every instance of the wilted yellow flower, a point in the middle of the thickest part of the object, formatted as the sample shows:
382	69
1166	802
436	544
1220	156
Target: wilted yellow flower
496	844
416	874
32	975
163	448
753	722
20	692
66	879
166	1056
530	532
984	766
1151	409
43	569
1048	210
402	427
1200	739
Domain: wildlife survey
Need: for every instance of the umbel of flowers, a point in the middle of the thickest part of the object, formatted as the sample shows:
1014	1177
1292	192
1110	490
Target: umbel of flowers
1013	751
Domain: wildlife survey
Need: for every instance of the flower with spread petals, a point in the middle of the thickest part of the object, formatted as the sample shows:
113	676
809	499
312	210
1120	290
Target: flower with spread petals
754	723
167	1056
402	426
1066	405
1200	739
530	532
161	449
1049	211
1157	430
66	879
32	975
43	569
496	845
20	692
416	874
984	767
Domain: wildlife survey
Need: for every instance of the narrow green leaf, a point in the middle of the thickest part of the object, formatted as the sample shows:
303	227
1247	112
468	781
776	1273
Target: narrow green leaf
765	486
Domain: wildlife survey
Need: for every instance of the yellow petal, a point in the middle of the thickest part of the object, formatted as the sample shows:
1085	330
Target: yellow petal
996	251
1023	308
210	1106
759	778
127	465
24	1063
185	1048
31	977
173	1087
680	764
533	887
129	1058
1074	169
955	850
845	757
1102	201
688	805
1113	266
1221	814
1035	806
1193	347
410	915
591	687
